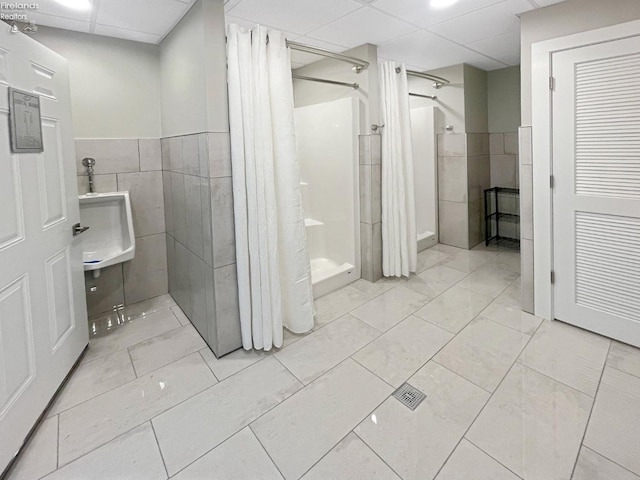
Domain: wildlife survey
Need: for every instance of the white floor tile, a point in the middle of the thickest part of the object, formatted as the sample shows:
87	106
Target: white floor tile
454	309
165	348
568	354
299	431
322	350
93	379
508	261
483	352
400	352
593	466
390	308
512	296
240	457
182	318
624	357
351	459
135	310
533	425
369	288
489	280
417	443
101	419
428	258
435	280
136	331
512	317
336	304
194	427
233	362
614	426
469	462
468	260
41	455
446	249
134	455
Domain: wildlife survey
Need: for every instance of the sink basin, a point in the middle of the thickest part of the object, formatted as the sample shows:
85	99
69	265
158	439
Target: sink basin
110	238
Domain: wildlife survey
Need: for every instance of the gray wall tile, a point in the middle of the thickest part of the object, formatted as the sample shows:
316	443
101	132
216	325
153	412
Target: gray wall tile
198	294
146	275
478	176
452	179
147	201
193	202
376	193
224	246
452	145
219	151
526	276
166	154
101	183
179	206
364	149
477	144
496	143
203	155
190	155
150	154
503	171
511	143
526	202
376	239
168	201
476	222
366	251
109	290
524	145
112	156
454	224
227	310
176	163
365	194
376	149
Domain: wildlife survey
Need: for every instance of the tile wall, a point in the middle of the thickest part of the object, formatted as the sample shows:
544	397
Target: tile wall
526	218
200	240
134	165
504	152
370	207
463	175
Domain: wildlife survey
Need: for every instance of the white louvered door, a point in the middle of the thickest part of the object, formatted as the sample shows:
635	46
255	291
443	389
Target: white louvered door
596	197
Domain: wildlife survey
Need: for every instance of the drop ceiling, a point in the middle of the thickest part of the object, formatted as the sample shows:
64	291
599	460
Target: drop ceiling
483	33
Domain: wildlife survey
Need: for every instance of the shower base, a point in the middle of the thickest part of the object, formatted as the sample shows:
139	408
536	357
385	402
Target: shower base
426	240
328	275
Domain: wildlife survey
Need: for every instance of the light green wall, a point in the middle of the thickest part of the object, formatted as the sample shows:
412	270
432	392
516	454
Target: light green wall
475	100
503	95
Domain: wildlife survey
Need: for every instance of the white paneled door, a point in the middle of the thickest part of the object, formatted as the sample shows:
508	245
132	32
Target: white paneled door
43	324
596	199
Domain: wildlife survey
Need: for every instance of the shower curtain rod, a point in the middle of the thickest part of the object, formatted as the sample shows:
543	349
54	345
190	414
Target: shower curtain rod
358	63
355	86
438	81
432	97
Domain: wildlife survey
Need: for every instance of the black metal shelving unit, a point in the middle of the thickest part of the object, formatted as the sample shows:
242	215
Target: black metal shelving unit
502	217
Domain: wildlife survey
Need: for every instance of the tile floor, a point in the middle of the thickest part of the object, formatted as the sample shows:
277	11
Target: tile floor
508	395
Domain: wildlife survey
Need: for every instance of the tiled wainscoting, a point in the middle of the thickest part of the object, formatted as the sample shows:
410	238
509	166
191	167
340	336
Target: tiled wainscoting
526	218
370	207
463	175
503	148
200	235
133	165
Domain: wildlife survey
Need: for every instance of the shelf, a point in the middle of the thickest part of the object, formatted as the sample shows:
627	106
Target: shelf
514	217
310	222
500	221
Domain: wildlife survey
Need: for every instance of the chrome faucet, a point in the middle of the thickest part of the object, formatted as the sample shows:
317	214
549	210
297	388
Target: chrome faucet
89	163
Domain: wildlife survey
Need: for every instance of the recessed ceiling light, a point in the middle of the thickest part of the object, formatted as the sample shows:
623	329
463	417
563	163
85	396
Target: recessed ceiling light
442	3
76	4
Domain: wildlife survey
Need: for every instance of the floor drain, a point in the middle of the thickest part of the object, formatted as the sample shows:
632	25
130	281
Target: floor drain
409	396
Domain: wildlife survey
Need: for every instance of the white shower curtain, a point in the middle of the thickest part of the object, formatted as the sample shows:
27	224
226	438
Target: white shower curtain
399	239
274	276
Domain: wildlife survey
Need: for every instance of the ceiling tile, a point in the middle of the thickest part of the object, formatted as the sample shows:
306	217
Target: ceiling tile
149	16
415	48
60	22
51	7
457	55
546	3
420	13
363	26
504	47
299	16
485	23
110	31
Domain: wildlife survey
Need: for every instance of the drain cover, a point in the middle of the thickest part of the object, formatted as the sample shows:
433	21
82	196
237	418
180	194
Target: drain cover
409	396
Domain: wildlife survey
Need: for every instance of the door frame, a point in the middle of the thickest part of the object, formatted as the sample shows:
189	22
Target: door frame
542	136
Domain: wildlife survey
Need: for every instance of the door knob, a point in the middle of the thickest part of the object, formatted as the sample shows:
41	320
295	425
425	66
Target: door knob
78	229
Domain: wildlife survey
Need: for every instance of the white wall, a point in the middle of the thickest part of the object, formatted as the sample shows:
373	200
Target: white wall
193	71
565	18
311	93
503	99
450	98
115	84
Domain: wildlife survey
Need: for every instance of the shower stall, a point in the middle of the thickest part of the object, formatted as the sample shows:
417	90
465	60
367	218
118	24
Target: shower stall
327	146
425	163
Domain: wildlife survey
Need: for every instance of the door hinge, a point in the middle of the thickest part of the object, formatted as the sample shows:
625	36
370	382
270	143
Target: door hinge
552	83
553	277
551	181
